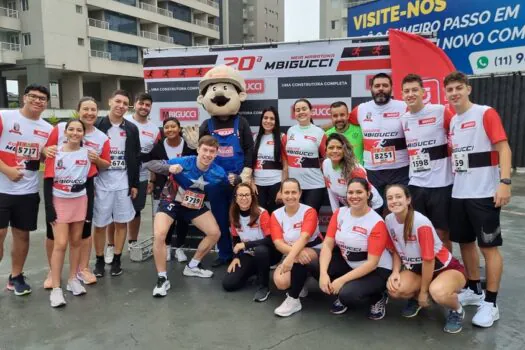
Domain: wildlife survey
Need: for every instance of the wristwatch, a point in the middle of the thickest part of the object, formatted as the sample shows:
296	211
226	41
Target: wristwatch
506	181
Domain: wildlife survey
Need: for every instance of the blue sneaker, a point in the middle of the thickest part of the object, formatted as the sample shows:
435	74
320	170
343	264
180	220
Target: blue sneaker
378	310
338	308
454	323
411	309
18	285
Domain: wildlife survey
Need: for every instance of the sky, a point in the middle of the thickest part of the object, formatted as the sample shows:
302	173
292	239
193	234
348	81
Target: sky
301	20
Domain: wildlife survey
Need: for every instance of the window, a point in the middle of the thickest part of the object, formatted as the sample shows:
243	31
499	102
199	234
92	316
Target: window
123	52
27	39
180	11
334	24
80	41
266	10
180	37
265	25
128	2
79	8
24	4
121	23
277	28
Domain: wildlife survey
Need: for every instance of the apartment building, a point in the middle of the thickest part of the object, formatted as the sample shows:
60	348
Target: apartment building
92	47
333	21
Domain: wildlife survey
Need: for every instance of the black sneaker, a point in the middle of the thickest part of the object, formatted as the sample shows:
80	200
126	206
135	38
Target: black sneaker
99	268
116	270
19	285
261	294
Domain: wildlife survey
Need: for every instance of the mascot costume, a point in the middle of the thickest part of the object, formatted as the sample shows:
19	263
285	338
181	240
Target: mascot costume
221	92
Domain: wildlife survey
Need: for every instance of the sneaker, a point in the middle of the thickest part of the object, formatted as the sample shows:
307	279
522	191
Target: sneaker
48	283
197	272
304	292
57	297
99	269
486	315
116	270
18	285
454	323
86	276
411	309
110	253
261	294
74	286
130	245
338	308
468	297
179	254
289	307
378	310
162	287
168	253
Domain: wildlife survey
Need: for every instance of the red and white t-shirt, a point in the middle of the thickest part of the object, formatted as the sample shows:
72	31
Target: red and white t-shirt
69	171
357	237
267	171
305	148
337	187
114	178
174	152
259	230
423	244
149	134
475	160
383	138
289	228
426	135
95	140
21	141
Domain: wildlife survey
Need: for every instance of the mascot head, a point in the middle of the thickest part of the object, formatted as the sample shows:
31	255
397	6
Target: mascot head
221	91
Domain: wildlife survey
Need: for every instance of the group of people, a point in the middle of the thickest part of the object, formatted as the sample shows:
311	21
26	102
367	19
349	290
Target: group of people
403	180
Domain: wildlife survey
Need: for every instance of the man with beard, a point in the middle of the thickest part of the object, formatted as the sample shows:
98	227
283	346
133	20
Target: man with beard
341	125
148	135
385	151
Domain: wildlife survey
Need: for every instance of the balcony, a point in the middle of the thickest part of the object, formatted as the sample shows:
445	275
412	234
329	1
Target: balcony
9	19
98	23
154	36
209	3
206	25
8	12
100	54
10	53
156	9
201	6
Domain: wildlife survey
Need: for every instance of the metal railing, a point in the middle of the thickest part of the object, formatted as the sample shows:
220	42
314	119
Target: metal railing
206	24
4	46
100	54
98	23
8	12
155	36
156	9
210	3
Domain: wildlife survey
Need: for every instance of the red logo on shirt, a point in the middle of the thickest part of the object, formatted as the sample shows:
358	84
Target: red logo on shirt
147	133
468	125
81	162
311	138
122	133
341	181
271	142
182	114
224	132
255	86
411	238
360	230
90	144
298	225
391	115
40	133
427	121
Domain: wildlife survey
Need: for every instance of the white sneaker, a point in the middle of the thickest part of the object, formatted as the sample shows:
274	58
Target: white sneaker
168	253
197	272
56	297
162	287
110	254
75	287
304	292
130	245
179	254
468	297
486	315
289	307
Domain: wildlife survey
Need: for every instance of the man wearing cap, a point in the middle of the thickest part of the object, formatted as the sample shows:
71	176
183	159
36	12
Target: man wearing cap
221	91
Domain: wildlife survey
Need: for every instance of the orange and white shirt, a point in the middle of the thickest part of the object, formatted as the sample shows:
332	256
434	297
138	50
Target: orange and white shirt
475	160
69	171
289	228
337	187
305	148
267	171
426	136
423	243
383	137
21	141
149	134
357	237
257	231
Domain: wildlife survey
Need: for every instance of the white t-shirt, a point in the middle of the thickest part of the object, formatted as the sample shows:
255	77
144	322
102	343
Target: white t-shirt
267	171
115	177
174	152
289	228
148	135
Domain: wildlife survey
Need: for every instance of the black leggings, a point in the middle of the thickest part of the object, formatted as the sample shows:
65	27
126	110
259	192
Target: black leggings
180	229
259	265
367	289
267	196
314	198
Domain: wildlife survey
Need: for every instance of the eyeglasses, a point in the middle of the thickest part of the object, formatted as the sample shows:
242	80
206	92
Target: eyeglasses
246	195
36	97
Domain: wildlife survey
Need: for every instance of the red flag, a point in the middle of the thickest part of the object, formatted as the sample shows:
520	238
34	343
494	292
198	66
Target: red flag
410	53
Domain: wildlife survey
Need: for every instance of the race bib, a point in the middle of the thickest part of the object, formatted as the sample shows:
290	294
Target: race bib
460	162
118	162
27	151
192	200
384	155
420	162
